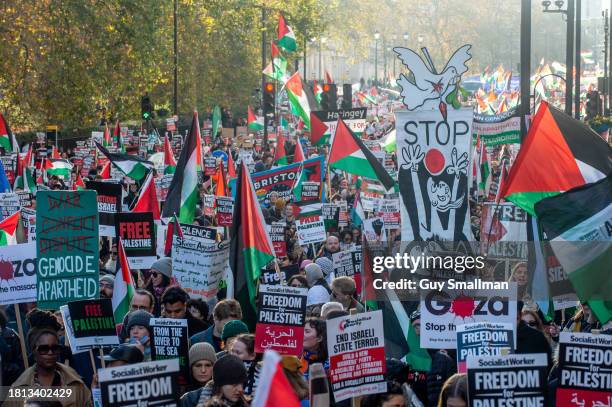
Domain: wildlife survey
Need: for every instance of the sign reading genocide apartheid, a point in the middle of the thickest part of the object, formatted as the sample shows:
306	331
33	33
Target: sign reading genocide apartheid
67	247
433	162
169	340
356	346
198	261
585	366
310	229
127	386
483	339
93	324
18	273
109	203
137	233
277	236
442	310
225	210
286	180
281	313
510	380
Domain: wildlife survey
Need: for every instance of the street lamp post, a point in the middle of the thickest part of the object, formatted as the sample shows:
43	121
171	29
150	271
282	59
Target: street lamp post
175	79
525	63
420	39
376	38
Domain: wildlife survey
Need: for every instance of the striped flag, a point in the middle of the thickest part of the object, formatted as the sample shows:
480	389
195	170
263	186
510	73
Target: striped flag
58	167
107	140
8	229
301	98
298	154
253	122
274	389
7	139
169	161
286	37
147	198
130	165
174	228
78	183
124	286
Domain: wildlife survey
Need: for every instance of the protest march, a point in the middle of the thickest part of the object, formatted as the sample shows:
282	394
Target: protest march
404	242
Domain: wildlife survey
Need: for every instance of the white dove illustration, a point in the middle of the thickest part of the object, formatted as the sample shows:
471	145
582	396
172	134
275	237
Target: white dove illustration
430	88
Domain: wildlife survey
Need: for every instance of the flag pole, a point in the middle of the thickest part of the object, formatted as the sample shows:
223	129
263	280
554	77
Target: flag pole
24	352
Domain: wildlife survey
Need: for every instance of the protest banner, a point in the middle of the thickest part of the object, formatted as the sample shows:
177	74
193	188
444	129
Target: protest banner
109	203
310	229
66	247
69	332
389	209
502	128
324	122
18	273
9	204
210	166
225	210
343	217
510	380
93	324
356	346
311	191
170	340
374	229
25	199
286	180
343	263
460	302
331	216
433	162
483	339
137	233
560	287
199	262
28	218
276	231
281	314
585	369
9	162
154	382
271	277
370	201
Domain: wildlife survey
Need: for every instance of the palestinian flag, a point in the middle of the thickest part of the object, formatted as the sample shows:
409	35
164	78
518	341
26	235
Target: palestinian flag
274	389
117	136
503	176
305	209
147	198
318	91
131	165
277	69
251	248
78	183
169	161
174	228
348	153
55	153
558	154
357	212
216	121
107	141
183	191
298	154
105	171
231	168
301	98
280	154
26	181
7	140
253	122
389	144
124	286
58	167
286	37
8	229
578	224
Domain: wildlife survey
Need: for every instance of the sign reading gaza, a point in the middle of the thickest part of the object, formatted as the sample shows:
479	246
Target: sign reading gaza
67	247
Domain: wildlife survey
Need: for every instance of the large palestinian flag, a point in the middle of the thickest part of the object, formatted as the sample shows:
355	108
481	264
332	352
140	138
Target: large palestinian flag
124	286
169	161
286	37
183	191
578	224
253	122
251	247
58	167
6	137
558	154
301	98
348	153
8	229
131	165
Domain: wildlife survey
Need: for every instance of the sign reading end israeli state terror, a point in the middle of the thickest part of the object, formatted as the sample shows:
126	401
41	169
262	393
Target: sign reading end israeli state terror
67	247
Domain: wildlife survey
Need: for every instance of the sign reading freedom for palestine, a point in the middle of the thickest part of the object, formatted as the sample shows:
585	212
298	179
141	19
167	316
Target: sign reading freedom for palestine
67	247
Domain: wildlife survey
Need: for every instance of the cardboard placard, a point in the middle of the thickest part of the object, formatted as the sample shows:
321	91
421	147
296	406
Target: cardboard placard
137	233
9	204
310	229
210	166
67	247
225	210
281	313
109	204
269	276
93	323
483	339
276	231
343	263
311	191
170	340
18	273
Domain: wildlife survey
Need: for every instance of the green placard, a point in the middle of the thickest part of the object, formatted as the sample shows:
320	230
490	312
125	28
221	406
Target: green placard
67	247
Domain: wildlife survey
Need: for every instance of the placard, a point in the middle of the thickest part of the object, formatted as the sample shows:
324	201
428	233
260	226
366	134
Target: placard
389	209
170	340
311	191
374	229
310	229
109	203
512	380
276	230
9	204
356	346
270	276
343	263
281	313
127	386
93	323
67	247
25	199
28	216
483	339
137	233
331	216
585	369
225	210
18	273
210	166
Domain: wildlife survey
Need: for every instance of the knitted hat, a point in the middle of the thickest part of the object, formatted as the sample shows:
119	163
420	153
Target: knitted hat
202	351
164	266
229	370
326	265
304	263
313	273
139	317
317	295
109	278
234	328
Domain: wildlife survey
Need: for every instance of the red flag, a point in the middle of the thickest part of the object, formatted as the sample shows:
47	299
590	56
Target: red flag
107	137
502	180
78	183
274	389
221	183
55	153
174	228
105	172
298	155
328	78
168	153
231	169
147	198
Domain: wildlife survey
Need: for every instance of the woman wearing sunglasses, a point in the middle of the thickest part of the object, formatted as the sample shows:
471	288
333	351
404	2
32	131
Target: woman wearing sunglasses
43	341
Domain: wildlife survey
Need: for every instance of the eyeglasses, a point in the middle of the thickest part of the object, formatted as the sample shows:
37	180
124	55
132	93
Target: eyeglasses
46	349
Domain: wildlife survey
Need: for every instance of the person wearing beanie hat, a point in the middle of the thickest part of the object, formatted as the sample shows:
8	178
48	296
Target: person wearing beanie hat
107	284
304	263
232	329
139	331
327	267
201	359
229	375
161	278
313	273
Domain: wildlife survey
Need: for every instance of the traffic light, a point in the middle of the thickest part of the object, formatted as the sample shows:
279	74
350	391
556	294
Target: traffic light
347	96
593	104
146	108
329	97
268	99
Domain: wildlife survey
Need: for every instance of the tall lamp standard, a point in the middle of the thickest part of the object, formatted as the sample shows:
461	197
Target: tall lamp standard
376	38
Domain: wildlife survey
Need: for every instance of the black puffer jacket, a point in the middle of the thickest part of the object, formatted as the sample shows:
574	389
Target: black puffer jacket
443	366
12	362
